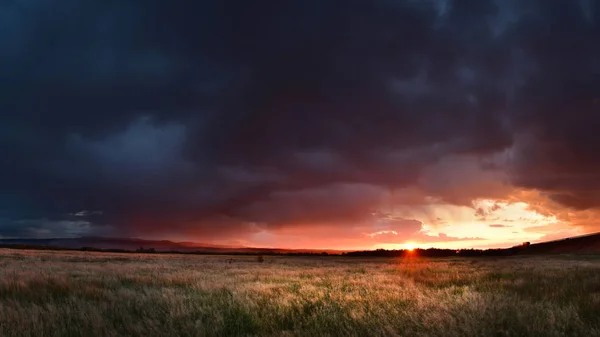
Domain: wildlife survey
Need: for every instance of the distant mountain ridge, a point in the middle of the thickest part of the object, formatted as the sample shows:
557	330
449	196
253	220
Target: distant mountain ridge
584	244
132	244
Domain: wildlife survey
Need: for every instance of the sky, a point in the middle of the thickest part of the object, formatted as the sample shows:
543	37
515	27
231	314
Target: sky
343	124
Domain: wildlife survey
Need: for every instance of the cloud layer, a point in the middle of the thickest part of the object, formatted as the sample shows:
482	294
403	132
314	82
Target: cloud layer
226	119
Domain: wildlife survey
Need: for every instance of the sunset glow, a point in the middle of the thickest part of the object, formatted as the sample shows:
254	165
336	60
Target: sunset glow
461	127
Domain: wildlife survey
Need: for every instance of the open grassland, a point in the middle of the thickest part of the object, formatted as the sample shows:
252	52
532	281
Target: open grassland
46	293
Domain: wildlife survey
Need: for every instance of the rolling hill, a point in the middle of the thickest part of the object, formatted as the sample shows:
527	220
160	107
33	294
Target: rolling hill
585	244
133	244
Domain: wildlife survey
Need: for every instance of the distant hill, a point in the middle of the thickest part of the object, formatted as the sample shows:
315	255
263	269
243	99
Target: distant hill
584	244
134	244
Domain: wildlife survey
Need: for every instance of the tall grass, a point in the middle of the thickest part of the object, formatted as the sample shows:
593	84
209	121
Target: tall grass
101	294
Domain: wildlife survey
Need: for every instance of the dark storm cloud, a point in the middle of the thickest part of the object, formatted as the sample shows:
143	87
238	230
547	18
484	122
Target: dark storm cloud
558	143
216	117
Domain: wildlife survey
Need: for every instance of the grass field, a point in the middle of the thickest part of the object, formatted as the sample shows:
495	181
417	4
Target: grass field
45	293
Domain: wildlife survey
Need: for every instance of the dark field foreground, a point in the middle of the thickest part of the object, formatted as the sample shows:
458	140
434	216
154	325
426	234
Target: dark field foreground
102	294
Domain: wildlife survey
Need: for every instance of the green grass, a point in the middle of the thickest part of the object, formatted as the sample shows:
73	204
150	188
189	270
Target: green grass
99	294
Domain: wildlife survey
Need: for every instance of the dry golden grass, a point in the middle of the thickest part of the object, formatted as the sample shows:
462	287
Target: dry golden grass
100	294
